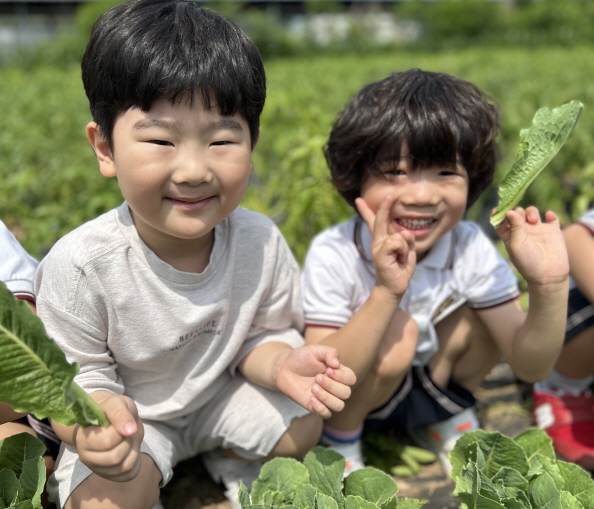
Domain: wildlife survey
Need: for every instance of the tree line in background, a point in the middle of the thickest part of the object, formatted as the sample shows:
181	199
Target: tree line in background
50	181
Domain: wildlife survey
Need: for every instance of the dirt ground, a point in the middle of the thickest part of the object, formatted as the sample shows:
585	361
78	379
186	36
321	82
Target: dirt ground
503	405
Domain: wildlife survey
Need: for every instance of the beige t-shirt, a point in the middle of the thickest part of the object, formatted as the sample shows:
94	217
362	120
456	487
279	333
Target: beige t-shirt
167	339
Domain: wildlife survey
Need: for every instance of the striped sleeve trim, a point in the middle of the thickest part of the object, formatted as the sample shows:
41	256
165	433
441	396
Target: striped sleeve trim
325	324
494	304
25	296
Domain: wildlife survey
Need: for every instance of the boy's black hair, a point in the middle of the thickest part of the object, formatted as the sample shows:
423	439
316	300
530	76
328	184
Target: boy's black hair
440	117
144	50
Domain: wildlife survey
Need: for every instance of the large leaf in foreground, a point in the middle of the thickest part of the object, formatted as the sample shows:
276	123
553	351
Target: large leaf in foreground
539	143
35	376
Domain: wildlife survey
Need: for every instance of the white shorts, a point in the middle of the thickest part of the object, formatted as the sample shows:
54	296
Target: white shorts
245	418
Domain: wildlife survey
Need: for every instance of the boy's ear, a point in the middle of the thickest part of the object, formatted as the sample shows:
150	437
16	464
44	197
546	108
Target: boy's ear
102	151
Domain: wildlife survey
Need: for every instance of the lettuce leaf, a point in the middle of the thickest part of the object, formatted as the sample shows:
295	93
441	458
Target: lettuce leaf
35	376
538	145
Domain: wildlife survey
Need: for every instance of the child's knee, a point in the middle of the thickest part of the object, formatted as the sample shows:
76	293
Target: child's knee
303	434
140	493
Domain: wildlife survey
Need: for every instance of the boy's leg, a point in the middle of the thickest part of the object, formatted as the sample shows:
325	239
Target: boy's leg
97	492
466	354
74	485
562	403
342	432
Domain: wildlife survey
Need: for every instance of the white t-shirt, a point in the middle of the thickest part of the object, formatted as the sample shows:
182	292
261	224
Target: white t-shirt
463	267
17	267
168	339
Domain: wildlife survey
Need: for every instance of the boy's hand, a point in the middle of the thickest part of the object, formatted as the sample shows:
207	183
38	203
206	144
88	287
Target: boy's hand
535	248
113	452
313	377
393	252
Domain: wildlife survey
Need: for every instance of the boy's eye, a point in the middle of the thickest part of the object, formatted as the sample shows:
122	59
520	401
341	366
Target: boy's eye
161	142
218	143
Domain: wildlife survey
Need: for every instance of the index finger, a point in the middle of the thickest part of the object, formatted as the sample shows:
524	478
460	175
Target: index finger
379	222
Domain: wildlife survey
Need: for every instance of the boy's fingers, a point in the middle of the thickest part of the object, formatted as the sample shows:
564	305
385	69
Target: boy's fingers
331	402
366	213
319	408
552	218
122	414
343	375
337	389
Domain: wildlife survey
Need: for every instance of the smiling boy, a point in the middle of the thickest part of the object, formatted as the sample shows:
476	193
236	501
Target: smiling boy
416	299
182	309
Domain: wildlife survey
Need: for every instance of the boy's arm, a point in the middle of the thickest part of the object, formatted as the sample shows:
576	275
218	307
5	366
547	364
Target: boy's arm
394	260
531	343
310	375
580	249
112	452
7	414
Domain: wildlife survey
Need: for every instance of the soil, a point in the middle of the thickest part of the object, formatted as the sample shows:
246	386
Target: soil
503	405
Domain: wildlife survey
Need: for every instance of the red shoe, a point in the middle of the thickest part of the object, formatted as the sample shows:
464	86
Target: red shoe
569	421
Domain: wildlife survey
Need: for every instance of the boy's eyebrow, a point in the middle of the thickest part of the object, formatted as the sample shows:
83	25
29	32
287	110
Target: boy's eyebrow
151	123
226	123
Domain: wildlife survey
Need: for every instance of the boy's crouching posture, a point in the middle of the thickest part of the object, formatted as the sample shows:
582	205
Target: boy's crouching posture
416	299
182	310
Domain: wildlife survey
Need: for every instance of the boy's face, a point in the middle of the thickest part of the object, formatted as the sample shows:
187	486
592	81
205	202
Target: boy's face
428	202
181	169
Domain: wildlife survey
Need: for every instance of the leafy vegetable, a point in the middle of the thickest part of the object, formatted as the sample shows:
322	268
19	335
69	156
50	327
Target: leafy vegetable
34	374
493	471
22	471
318	483
538	145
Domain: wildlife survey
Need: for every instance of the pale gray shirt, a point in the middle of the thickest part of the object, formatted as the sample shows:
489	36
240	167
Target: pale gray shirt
168	339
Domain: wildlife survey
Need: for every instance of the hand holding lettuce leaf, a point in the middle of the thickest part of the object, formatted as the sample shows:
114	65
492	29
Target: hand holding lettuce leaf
538	145
35	376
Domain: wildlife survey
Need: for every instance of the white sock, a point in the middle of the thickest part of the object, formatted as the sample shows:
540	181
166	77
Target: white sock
348	448
557	381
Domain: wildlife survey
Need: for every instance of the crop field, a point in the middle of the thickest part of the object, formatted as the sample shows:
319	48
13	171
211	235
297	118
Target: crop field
51	184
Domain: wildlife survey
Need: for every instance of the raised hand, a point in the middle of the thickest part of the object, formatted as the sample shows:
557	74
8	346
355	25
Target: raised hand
393	252
314	377
113	452
536	248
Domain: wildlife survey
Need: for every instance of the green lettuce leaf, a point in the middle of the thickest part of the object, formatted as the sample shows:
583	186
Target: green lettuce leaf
35	376
539	143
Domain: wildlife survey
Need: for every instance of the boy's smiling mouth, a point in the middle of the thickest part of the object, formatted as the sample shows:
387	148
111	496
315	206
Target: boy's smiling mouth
415	224
191	203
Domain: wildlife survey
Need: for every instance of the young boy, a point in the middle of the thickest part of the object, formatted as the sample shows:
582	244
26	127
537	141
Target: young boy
563	404
417	300
183	311
17	271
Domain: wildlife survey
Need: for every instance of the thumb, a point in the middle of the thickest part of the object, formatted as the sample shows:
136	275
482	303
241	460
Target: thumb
123	414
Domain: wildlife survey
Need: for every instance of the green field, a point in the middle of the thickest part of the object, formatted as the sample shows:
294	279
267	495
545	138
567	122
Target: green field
50	182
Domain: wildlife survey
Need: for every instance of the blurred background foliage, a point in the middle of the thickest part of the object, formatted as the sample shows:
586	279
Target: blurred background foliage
525	55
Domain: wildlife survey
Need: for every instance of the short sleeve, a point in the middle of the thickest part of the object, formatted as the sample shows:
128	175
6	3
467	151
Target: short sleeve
334	279
17	267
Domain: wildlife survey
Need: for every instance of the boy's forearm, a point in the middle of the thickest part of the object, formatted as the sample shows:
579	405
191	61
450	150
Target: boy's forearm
540	339
361	336
261	365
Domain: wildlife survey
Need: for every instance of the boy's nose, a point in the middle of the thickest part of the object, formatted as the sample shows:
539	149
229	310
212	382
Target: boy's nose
420	192
191	169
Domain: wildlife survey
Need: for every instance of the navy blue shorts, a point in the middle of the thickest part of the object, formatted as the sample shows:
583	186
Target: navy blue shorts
580	314
418	402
